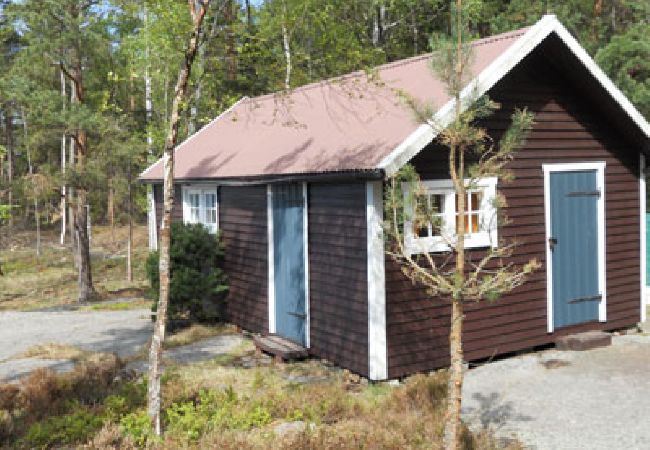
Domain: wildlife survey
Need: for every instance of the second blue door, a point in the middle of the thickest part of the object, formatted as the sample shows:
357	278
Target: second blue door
574	200
289	260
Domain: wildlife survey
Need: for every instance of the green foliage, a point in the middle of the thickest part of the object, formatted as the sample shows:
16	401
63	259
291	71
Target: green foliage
626	58
220	410
197	278
137	425
72	428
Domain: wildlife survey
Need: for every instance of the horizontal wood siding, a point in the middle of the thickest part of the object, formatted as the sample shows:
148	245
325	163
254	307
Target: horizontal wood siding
338	273
177	210
243	224
567	129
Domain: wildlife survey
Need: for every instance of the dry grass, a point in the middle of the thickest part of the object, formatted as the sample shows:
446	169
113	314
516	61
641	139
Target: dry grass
33	283
55	351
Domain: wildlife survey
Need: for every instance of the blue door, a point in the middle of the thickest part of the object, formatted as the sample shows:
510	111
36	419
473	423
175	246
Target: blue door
574	200
289	260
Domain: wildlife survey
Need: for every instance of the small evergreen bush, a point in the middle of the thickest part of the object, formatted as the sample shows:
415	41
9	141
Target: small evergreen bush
198	283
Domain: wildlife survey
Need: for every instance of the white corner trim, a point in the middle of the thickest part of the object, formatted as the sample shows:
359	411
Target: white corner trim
503	64
599	167
151	219
190	138
643	231
377	352
271	257
305	234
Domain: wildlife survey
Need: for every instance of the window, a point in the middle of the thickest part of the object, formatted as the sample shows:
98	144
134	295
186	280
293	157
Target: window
442	206
200	205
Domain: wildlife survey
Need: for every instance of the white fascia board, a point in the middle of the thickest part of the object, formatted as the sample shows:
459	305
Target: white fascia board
600	76
189	139
477	87
500	67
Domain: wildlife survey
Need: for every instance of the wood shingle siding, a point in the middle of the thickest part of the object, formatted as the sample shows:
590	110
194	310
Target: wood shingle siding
243	225
338	274
568	128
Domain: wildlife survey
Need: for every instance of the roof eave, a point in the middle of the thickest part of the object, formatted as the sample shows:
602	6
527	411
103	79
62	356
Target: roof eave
499	68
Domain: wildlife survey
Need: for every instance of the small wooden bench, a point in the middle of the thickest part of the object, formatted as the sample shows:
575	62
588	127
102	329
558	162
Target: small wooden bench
281	348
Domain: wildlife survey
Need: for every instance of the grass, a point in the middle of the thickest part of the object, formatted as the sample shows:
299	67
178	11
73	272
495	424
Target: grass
55	351
234	401
50	280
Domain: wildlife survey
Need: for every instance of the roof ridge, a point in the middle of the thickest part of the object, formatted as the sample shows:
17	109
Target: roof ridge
389	65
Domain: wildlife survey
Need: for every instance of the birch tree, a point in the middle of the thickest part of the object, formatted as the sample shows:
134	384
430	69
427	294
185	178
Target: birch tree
198	10
456	275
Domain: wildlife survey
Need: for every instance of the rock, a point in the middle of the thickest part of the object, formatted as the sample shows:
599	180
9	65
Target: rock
285	428
584	341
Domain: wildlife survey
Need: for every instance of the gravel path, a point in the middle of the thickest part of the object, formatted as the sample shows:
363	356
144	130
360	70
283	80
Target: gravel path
598	399
122	332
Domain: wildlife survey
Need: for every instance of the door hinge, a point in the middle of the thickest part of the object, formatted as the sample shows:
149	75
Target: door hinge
595	193
591	298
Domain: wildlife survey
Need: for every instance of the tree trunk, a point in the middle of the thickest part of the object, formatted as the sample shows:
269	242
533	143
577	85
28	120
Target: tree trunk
110	206
64	205
81	222
249	16
287	49
148	103
9	145
155	353
452	431
231	45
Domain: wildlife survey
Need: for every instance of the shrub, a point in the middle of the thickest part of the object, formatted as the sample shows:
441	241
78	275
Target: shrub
69	429
137	426
198	283
220	410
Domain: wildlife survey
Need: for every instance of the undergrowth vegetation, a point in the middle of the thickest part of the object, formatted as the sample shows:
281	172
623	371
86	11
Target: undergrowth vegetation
238	401
31	282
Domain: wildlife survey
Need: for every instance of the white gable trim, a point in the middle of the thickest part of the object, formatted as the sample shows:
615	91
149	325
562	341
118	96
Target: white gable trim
501	66
189	139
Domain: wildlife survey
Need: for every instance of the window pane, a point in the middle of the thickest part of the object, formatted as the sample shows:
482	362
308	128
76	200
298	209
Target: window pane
474	222
211	216
210	200
435	201
475	201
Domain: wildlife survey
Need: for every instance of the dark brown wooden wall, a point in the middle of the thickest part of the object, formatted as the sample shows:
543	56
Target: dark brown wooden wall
568	129
177	211
338	274
243	225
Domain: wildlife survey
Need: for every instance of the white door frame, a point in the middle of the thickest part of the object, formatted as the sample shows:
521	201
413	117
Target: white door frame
599	167
271	261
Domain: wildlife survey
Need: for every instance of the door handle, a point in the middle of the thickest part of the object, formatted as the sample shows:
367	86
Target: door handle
295	314
552	242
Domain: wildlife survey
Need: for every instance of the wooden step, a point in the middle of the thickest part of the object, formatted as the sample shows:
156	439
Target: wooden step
584	341
280	347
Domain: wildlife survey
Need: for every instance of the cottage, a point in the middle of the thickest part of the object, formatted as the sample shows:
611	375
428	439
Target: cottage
294	183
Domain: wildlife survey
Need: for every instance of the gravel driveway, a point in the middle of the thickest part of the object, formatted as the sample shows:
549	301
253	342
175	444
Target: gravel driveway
598	399
123	332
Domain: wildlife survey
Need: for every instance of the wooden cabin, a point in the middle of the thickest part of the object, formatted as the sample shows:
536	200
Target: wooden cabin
294	184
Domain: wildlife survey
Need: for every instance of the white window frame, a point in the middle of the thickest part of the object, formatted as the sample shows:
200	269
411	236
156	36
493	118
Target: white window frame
201	191
488	237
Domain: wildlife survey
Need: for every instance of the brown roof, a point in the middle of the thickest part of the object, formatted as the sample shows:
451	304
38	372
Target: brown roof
348	123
